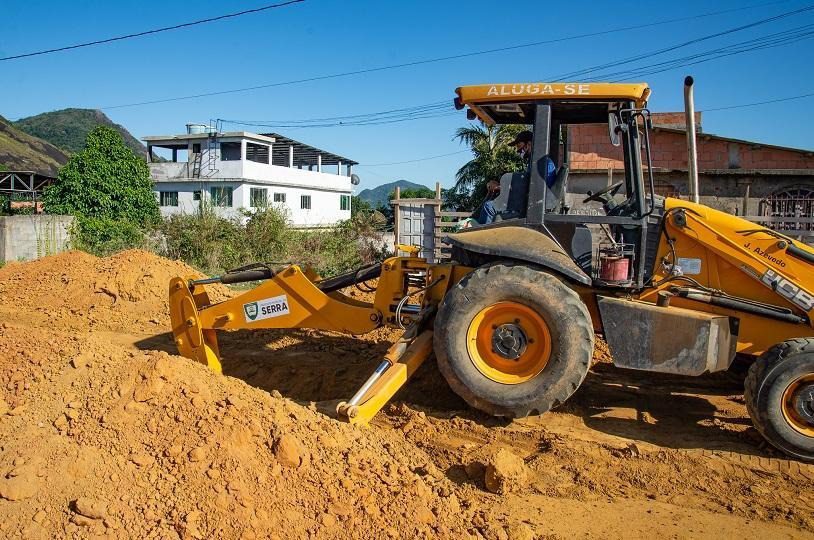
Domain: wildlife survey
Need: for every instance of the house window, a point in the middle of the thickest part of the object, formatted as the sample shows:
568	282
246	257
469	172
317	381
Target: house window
279	197
221	196
196	195
230	151
168	198
257	152
344	202
258	197
305	202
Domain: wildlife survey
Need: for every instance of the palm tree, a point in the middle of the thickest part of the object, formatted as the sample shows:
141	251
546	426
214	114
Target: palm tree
492	157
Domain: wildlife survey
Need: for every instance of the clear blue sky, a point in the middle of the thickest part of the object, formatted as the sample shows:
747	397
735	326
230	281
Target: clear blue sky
321	37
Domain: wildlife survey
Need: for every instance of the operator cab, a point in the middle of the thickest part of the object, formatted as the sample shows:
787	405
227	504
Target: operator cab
527	200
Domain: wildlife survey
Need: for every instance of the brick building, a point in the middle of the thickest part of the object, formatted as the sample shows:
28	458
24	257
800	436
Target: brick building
741	177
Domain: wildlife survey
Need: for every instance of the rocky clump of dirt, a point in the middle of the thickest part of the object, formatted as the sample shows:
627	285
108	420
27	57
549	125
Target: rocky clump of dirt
505	472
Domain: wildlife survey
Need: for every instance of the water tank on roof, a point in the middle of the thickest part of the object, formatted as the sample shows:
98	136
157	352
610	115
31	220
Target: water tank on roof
196	129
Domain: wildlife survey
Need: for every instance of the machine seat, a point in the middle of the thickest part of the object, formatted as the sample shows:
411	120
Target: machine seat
512	201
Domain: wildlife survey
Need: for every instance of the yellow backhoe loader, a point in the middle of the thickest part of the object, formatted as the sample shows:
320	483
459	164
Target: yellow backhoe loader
672	285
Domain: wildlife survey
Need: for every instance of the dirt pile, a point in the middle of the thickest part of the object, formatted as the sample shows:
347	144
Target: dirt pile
103	434
100	439
74	289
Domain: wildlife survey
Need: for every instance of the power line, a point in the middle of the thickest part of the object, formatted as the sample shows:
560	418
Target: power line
437	59
382	117
429	110
413	160
650	54
743	105
764	42
405	110
442	108
149	32
377	122
758	103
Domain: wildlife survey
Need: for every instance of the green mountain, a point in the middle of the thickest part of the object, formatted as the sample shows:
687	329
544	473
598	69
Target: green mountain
380	194
68	128
21	152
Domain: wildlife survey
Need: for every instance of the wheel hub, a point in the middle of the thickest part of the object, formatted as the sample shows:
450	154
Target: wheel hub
803	403
509	341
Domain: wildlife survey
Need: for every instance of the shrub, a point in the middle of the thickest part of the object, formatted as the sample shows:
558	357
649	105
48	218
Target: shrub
105	236
204	240
215	244
268	235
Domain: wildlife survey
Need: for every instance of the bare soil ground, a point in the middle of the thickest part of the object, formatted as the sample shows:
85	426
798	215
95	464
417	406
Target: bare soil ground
103	431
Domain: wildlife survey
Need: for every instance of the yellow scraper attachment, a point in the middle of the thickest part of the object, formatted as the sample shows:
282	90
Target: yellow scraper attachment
192	339
399	364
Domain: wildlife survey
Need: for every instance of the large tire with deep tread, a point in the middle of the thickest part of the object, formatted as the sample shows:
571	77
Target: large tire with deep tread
569	324
764	386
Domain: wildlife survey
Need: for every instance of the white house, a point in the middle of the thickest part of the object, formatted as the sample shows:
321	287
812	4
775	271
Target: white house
236	171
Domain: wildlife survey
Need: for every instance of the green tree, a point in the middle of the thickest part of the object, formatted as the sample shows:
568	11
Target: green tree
359	206
413	193
492	157
105	181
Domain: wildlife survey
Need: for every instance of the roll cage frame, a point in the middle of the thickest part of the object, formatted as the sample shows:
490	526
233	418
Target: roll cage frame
633	130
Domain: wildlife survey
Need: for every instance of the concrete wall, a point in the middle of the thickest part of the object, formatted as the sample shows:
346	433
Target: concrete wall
325	204
32	237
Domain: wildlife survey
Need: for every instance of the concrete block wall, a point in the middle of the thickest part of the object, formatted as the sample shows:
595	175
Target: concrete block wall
23	238
591	149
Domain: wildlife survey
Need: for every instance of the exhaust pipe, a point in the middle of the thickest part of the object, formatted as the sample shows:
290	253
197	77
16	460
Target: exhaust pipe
692	152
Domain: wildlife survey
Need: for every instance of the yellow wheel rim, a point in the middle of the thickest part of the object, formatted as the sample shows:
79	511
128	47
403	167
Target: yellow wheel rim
798	404
509	342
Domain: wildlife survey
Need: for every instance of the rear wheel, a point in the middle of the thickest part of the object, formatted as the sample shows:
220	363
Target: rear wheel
511	340
779	394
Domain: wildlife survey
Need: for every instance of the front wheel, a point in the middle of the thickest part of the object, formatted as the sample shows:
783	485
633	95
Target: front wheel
779	395
512	340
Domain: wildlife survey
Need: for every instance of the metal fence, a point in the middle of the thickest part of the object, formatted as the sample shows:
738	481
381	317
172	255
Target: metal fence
790	212
422	222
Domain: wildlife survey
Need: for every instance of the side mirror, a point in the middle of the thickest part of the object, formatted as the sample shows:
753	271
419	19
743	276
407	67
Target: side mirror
613	129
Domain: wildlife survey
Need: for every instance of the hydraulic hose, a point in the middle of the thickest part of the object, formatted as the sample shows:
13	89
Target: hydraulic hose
728	302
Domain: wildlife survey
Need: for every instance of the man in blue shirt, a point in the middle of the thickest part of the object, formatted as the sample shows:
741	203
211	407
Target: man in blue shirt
523	144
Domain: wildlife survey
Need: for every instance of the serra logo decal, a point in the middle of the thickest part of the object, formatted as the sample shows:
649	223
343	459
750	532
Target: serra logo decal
787	289
266	308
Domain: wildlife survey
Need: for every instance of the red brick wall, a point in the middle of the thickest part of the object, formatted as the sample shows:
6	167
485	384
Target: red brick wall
591	149
675	120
